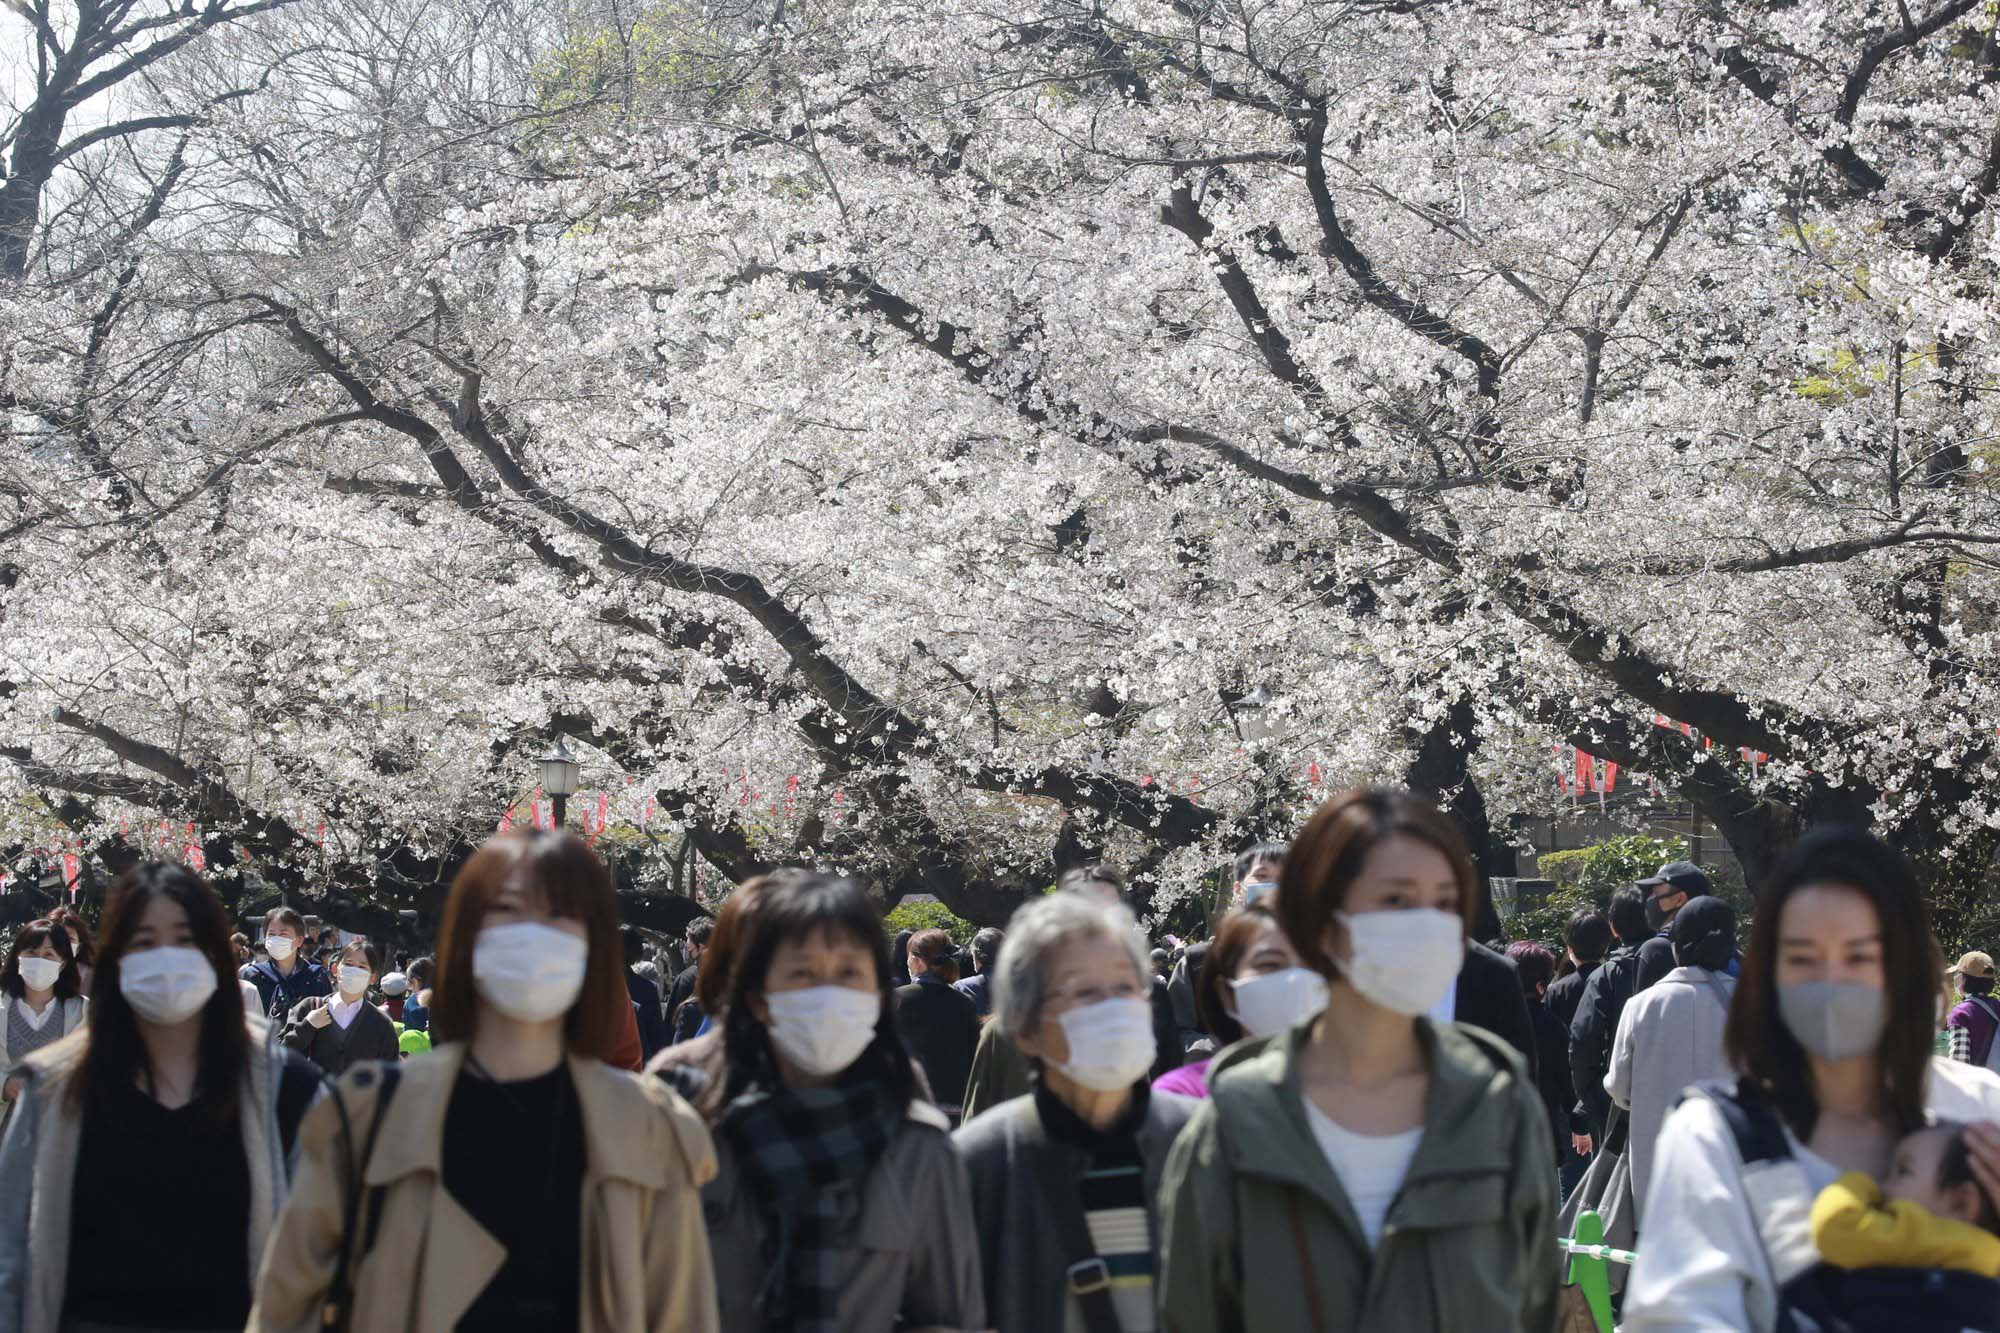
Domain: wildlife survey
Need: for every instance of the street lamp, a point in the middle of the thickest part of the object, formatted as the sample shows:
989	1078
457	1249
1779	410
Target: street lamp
560	774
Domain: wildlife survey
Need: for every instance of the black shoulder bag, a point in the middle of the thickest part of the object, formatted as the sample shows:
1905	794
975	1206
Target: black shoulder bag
1088	1277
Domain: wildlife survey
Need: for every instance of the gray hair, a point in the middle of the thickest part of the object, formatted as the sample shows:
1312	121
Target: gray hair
1037	930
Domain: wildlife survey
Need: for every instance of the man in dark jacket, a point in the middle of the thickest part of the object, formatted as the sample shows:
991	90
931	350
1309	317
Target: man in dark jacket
985	949
284	979
1676	885
1604	997
1588	939
938	1024
1488	995
654	1035
683	1010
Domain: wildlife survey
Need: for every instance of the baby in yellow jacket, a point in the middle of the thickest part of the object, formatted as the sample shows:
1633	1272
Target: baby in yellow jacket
1930	1213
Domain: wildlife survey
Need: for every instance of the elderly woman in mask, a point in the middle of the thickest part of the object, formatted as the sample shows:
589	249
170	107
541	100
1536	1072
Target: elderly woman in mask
1064	1179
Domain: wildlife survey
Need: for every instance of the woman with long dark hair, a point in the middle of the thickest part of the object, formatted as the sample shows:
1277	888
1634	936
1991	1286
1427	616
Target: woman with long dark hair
164	1095
838	1203
511	1179
1830	1029
82	945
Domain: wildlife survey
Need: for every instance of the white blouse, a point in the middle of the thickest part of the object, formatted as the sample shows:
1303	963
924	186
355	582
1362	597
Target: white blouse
1370	1167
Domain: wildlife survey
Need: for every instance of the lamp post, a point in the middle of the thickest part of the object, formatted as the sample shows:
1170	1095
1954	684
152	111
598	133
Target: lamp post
560	774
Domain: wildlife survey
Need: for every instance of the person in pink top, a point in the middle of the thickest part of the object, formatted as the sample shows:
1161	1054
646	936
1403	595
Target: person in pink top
1252	985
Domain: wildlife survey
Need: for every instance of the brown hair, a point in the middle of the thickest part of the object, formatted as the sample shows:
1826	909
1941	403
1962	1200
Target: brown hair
1327	856
1234	939
1756	1039
725	940
71	919
573	884
33	936
115	1057
935	948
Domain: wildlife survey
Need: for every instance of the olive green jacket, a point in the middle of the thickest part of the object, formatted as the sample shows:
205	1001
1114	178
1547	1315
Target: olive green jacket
1258	1234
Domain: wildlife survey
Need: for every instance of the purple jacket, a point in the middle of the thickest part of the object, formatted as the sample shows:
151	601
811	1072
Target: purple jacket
1970	1027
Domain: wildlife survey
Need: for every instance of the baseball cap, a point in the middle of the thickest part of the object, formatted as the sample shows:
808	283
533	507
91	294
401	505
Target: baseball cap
1684	875
1974	964
1704	933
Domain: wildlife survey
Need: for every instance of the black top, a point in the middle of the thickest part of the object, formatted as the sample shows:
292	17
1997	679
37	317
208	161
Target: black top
1489	996
514	1159
654	1034
941	1028
160	1217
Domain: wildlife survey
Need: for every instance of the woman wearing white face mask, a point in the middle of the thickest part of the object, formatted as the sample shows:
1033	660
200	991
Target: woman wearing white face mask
1064	1179
338	1031
509	1179
164	1094
1251	985
1371	1170
838	1205
39	1002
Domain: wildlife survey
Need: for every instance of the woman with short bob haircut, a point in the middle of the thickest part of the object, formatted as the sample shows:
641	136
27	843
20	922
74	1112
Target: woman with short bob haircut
1830	1029
838	1204
165	1094
519	1182
1369	1169
40	1003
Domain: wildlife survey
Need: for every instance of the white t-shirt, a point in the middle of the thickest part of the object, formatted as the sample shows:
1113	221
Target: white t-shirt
1702	1265
1370	1167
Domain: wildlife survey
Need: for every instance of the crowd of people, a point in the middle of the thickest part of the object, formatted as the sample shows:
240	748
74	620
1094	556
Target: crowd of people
1341	1110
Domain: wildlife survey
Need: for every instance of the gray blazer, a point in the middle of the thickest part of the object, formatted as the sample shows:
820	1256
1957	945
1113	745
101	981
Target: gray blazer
1020	1246
915	1258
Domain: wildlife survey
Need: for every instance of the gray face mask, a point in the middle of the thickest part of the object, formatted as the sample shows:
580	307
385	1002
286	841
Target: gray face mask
1835	1020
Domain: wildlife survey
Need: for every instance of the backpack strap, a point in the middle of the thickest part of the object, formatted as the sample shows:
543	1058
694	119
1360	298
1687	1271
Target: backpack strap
1774	1181
1086	1277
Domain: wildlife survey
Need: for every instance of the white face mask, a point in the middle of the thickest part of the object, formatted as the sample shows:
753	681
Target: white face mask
1110	1043
821	1030
1403	961
353	980
1277	1001
168	984
1257	890
41	973
528	971
280	947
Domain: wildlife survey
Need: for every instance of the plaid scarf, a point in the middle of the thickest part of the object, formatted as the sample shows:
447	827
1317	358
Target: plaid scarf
804	1153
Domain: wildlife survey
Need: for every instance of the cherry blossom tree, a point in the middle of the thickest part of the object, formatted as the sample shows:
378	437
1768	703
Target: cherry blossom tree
952	442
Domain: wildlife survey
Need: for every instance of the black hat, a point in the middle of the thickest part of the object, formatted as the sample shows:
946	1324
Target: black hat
1683	875
1704	934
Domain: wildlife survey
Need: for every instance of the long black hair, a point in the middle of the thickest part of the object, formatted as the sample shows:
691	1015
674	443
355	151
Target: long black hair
114	1056
793	908
1756	1039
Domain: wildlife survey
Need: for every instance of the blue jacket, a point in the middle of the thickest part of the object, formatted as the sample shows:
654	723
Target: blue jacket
281	993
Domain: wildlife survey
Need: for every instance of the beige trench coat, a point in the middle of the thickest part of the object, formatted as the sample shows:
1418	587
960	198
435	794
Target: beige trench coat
645	1249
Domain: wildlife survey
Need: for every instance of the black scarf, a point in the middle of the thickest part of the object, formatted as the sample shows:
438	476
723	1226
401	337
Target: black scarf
805	1154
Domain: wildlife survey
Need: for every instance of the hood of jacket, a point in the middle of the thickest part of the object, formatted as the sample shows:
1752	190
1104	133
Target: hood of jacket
1255	1087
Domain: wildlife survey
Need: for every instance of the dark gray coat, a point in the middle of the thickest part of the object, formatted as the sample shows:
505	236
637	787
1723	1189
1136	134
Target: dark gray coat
1020	1245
